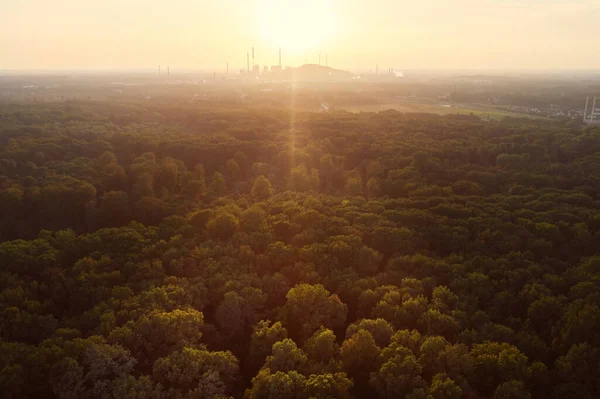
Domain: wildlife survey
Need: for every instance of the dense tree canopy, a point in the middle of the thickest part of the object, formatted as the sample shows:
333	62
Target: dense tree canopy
183	252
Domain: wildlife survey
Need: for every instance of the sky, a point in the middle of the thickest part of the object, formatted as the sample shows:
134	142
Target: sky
350	34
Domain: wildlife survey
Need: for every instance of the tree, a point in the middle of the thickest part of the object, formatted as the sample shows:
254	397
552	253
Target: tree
195	189
495	363
143	186
157	333
130	387
443	299
443	387
509	161
205	373
151	211
229	315
373	189
107	158
380	329
222	225
218	186
241	159
321	348
232	171
265	334
421	160
354	187
578	369
397	377
285	357
169	174
262	189
328	386
115	209
253	219
90	368
511	390
299	179
279	385
435	322
359	356
310	307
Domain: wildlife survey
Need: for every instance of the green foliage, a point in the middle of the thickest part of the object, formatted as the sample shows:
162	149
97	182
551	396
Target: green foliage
262	189
222	225
285	356
383	255
198	372
217	187
309	307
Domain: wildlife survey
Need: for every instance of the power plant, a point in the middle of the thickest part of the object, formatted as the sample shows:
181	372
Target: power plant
254	69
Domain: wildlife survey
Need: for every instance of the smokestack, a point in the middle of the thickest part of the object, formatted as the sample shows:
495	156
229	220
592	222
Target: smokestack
248	62
593	109
587	100
252	55
279	56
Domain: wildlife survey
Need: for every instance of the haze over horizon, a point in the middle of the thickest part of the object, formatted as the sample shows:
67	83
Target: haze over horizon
436	34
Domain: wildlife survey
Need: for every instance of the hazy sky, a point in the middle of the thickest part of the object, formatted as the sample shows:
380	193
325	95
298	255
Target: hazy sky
48	34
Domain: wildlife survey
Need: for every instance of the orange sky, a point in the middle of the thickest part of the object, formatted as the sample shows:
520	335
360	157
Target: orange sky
445	34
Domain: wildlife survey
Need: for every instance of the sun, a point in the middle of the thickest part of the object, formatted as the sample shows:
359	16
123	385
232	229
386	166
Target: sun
297	26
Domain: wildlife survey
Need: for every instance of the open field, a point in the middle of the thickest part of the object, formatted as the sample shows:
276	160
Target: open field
410	106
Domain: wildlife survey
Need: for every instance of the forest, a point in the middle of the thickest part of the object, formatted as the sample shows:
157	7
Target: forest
202	251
